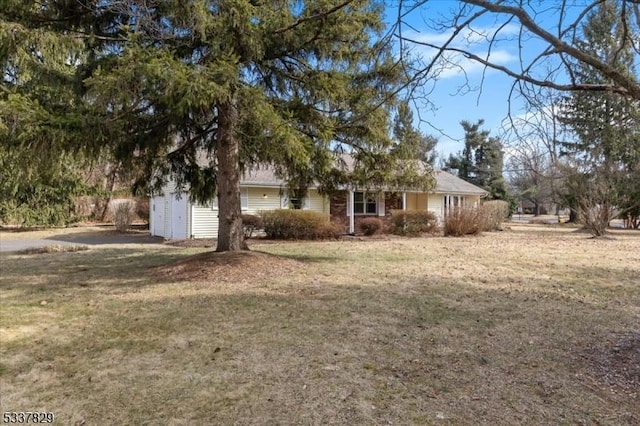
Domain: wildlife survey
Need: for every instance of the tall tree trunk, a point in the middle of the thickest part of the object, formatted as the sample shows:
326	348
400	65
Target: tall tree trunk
110	187
573	215
230	233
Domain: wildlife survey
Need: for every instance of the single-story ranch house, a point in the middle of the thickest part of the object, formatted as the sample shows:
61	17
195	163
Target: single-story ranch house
173	216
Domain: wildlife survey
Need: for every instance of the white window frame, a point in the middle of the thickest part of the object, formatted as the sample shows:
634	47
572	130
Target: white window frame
244	198
366	203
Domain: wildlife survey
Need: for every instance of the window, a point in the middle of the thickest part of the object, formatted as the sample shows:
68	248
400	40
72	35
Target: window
364	203
244	198
295	203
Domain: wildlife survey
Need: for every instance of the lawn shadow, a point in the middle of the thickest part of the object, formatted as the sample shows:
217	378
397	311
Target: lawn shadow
306	258
108	237
104	269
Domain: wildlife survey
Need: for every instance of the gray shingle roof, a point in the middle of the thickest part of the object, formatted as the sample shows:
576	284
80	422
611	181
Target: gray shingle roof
450	184
446	183
261	176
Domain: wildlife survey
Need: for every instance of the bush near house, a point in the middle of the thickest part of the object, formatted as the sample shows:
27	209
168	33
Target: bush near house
123	213
370	226
413	222
250	224
493	213
299	225
465	221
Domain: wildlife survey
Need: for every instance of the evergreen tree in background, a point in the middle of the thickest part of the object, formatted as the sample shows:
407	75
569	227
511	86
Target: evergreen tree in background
606	147
39	177
481	161
409	142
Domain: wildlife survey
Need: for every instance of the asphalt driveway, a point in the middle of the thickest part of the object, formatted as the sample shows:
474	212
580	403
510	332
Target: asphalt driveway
9	243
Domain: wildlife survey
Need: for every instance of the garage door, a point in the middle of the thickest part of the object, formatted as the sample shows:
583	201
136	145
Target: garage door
178	217
157	212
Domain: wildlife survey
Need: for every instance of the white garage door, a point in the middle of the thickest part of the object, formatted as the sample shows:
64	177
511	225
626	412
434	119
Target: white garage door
178	217
157	213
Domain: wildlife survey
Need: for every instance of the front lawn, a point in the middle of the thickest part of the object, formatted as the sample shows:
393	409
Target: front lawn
530	326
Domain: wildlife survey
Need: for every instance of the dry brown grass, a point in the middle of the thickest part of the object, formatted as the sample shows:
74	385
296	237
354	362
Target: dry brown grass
504	328
54	249
11	234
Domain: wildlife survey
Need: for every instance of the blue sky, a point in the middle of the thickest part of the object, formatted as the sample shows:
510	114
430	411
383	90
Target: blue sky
451	98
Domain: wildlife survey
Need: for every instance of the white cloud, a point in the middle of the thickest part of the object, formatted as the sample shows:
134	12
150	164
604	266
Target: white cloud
466	37
473	40
459	65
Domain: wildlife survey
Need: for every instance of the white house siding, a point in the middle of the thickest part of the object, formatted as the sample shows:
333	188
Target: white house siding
317	202
435	203
166	208
204	221
262	199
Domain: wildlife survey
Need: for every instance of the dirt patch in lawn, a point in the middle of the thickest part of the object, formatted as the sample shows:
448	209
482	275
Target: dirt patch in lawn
229	267
616	362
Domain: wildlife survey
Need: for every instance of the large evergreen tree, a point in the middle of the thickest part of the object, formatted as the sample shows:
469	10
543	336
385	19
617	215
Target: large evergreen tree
481	160
606	146
41	126
202	90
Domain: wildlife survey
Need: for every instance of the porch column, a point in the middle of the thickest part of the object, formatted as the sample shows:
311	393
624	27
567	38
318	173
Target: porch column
404	201
350	210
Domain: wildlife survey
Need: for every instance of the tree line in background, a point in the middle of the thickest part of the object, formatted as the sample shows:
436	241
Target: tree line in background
582	150
481	161
575	68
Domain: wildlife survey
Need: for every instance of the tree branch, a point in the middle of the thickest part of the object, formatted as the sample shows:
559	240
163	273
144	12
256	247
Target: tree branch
313	17
623	84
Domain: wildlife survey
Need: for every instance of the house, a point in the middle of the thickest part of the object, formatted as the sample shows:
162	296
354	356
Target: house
173	216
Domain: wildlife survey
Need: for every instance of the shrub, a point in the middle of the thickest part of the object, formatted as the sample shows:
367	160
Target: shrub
464	221
370	225
251	223
494	213
413	222
329	231
299	224
123	215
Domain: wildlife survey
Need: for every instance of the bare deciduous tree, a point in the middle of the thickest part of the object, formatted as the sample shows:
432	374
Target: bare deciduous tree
546	35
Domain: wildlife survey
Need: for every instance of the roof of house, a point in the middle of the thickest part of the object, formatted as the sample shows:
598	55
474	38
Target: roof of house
261	176
446	183
450	184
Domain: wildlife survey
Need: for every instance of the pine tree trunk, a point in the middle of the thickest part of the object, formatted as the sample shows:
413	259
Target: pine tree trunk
573	215
110	188
230	233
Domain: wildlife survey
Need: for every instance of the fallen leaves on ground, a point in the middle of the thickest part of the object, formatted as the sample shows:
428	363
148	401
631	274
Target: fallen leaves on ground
616	362
226	267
